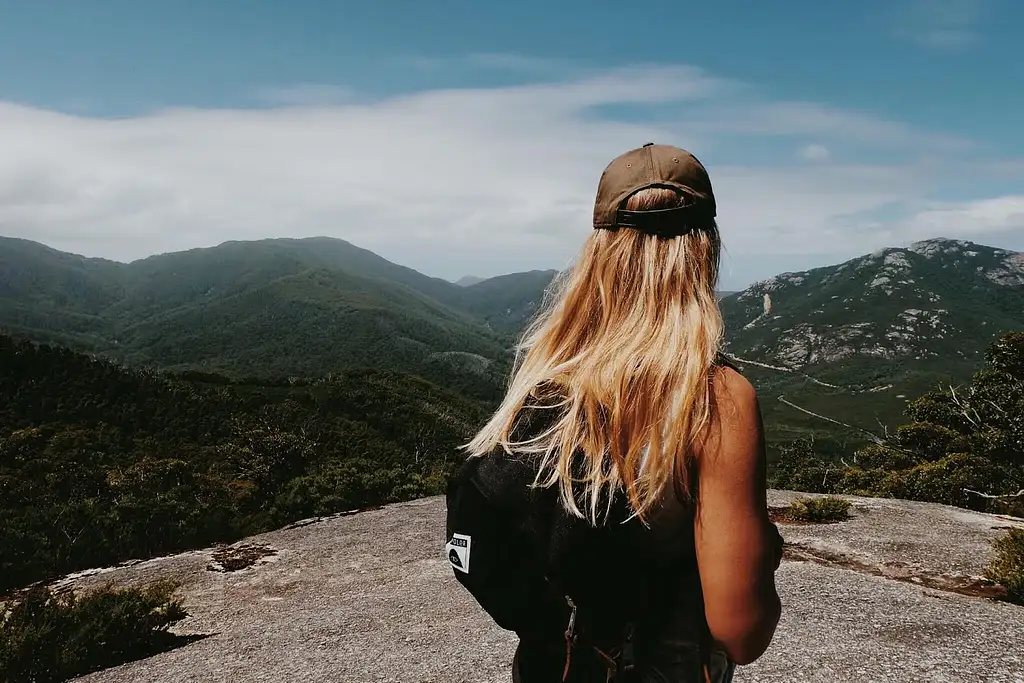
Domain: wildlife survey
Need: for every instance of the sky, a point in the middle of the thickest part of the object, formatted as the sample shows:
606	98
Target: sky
459	137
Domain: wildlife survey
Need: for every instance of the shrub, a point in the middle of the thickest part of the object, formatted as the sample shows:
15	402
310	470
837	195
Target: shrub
46	637
797	467
819	510
1007	568
963	446
875	457
1014	507
928	440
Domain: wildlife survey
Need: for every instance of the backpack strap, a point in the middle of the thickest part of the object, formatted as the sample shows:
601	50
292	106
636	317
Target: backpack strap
570	638
705	655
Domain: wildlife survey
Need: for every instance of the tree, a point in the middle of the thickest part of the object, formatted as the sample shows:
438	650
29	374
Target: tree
964	445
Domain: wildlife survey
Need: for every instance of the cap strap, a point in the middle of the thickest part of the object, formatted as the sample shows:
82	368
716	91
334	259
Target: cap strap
678	220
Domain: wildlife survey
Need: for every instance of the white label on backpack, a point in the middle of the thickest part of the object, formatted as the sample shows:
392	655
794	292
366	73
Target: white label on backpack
458	552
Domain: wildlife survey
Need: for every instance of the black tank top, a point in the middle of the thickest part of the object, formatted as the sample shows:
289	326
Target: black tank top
670	542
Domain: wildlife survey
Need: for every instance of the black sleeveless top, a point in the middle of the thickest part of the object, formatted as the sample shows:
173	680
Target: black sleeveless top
676	624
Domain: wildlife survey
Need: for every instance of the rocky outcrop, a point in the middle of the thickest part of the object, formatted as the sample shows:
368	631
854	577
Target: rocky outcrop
1011	271
891	594
919	303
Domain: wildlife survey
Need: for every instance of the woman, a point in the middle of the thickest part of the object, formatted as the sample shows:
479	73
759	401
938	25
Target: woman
620	390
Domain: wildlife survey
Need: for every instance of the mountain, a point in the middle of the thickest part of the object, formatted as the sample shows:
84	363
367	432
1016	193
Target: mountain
507	302
56	296
468	280
879	327
306	324
882	327
233	267
272	307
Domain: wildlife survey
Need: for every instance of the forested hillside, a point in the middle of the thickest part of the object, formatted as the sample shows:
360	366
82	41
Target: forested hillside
99	463
301	377
873	332
262	309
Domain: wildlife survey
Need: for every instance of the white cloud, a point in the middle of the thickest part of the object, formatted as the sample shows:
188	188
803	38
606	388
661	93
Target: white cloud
964	219
812	119
450	181
814	152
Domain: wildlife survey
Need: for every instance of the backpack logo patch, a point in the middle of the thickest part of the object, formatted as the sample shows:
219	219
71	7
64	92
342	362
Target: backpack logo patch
458	552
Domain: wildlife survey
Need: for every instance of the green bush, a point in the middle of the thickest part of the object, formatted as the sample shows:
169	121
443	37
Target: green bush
963	446
1007	568
46	637
928	440
819	510
881	457
797	467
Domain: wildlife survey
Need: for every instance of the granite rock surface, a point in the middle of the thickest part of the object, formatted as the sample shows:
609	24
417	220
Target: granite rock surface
369	598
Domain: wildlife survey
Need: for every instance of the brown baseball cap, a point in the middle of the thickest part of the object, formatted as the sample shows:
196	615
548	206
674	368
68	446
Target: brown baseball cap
655	166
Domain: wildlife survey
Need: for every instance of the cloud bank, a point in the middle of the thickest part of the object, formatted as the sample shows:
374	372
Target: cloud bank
485	180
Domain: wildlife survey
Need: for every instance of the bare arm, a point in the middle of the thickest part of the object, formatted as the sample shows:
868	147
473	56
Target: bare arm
737	545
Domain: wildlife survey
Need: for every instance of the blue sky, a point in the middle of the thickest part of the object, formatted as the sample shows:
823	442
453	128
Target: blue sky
467	137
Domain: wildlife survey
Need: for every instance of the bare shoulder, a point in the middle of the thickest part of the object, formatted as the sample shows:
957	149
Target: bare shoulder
733	399
735	432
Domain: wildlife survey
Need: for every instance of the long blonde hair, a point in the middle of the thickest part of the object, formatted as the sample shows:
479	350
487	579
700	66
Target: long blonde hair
626	342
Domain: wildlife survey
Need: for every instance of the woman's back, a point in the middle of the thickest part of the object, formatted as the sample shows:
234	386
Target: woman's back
619	397
673	624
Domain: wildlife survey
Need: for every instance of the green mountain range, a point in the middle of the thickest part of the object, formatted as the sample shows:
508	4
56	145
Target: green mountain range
468	280
275	307
850	341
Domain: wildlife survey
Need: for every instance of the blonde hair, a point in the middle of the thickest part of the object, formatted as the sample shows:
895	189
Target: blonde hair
625	343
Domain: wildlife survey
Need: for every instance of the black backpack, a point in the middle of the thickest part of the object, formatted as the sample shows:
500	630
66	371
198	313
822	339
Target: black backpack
552	578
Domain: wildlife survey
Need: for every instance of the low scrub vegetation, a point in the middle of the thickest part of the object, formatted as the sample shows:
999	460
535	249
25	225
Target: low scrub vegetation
46	637
1007	568
819	510
963	446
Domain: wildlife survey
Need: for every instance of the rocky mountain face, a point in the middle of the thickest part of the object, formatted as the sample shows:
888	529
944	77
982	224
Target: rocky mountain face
934	299
855	341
